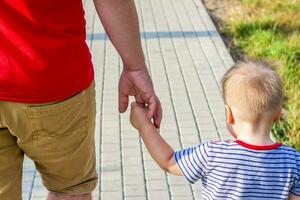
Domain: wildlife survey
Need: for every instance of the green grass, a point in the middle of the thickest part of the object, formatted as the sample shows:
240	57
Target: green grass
270	30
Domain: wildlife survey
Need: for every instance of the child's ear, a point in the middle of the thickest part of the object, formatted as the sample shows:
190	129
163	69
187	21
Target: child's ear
278	115
229	115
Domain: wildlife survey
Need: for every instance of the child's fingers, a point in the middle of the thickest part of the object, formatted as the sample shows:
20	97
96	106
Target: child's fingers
134	104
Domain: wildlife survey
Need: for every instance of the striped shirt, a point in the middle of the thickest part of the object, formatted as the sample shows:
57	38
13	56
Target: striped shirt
237	170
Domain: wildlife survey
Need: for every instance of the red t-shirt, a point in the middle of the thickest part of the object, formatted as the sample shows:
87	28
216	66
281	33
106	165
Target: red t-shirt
43	54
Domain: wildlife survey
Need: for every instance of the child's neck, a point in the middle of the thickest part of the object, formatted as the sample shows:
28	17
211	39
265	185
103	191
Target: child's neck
256	134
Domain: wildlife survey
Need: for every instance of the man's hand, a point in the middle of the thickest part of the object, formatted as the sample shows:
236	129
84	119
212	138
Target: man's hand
137	83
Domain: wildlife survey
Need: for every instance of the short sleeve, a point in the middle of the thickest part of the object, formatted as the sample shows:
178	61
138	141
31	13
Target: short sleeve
193	162
295	189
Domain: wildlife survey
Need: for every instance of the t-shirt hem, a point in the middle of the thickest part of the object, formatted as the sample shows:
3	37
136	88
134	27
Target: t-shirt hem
38	99
296	194
181	170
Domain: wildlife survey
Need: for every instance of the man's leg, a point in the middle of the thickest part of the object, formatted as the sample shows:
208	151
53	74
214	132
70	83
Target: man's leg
59	138
11	160
64	146
55	196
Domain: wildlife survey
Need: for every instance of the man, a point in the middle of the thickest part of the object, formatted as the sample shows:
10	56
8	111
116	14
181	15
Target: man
47	100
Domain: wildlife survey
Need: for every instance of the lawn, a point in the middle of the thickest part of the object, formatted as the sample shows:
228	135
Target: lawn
270	30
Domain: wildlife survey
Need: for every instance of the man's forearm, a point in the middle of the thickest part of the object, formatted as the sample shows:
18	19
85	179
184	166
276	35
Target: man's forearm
120	21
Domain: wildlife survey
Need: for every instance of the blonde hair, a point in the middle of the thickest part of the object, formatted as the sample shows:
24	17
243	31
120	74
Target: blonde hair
254	88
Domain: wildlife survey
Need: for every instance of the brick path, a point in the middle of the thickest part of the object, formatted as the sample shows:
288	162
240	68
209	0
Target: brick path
186	58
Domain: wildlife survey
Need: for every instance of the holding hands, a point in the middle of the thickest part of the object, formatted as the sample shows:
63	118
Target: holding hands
137	83
146	107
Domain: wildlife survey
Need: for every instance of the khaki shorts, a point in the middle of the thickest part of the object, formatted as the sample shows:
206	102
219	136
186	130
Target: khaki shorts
58	137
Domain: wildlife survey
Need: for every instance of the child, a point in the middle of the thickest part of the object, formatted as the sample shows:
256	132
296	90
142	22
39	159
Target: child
250	167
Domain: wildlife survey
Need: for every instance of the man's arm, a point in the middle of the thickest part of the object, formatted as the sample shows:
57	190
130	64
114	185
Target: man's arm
120	21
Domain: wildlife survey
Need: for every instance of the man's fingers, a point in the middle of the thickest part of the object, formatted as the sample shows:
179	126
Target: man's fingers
155	111
139	100
152	105
123	102
158	115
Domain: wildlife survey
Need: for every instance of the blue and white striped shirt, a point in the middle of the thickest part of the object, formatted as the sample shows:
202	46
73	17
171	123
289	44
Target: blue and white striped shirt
236	170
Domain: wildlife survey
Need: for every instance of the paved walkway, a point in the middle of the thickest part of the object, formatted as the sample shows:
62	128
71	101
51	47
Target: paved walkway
186	58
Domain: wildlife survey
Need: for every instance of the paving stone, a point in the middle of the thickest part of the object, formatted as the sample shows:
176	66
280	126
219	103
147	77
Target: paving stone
157	185
154	195
134	190
111	195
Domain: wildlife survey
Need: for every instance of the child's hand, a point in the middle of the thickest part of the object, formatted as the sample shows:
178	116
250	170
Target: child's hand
138	116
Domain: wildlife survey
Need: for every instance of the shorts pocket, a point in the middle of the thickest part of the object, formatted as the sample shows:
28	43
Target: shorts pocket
60	126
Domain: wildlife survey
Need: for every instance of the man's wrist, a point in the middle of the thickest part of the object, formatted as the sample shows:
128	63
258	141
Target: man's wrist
137	67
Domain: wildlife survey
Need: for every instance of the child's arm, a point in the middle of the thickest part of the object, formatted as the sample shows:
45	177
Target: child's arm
158	148
293	197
